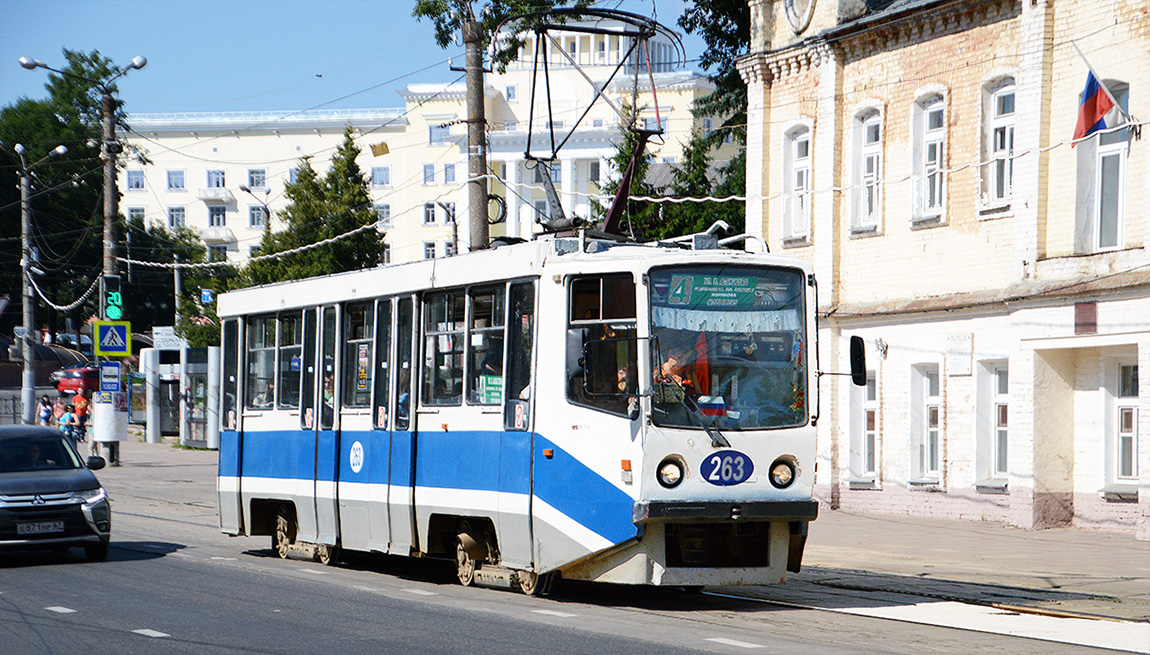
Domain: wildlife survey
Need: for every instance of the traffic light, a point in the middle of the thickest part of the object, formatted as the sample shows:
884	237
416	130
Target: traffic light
112	299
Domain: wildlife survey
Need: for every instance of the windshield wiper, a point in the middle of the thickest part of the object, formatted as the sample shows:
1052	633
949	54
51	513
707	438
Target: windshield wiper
717	438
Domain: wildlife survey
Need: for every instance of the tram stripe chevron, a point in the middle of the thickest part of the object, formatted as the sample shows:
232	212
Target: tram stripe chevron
574	498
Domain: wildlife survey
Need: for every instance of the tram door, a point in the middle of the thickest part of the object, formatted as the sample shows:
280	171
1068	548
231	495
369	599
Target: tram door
401	476
327	430
516	441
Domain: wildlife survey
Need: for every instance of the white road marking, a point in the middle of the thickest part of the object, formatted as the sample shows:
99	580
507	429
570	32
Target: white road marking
151	633
563	615
421	592
1116	635
225	559
60	610
315	571
732	642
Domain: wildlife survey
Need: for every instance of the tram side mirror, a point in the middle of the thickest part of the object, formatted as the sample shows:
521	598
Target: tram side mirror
858	361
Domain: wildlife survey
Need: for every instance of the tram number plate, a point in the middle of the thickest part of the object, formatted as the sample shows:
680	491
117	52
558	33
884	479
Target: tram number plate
726	468
40	527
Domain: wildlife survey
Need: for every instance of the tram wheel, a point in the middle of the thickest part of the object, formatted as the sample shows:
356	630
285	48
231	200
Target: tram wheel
533	584
285	534
327	555
464	565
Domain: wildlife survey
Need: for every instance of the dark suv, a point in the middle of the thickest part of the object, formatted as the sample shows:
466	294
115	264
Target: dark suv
49	497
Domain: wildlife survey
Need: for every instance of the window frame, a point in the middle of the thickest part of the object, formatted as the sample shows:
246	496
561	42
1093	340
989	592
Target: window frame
867	172
797	196
217	216
429	213
217	179
176	223
136	181
174	174
929	156
257	178
1000	162
380	177
256	215
428	174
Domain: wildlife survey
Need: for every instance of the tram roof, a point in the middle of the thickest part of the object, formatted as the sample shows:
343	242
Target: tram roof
505	262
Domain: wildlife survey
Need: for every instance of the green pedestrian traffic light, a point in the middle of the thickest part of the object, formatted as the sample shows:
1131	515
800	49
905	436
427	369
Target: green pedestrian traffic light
113	300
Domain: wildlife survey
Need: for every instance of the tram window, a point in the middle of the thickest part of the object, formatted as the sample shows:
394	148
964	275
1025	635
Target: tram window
231	383
443	348
357	324
290	359
404	343
521	340
485	346
307	393
261	340
382	359
601	343
327	391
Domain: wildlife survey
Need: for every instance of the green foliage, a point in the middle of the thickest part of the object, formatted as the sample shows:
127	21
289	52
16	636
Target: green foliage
68	205
449	16
321	208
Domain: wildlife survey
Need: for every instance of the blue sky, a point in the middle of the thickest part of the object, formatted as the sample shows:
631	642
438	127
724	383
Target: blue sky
237	55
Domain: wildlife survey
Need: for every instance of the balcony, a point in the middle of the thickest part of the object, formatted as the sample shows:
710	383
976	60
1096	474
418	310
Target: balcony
217	235
216	195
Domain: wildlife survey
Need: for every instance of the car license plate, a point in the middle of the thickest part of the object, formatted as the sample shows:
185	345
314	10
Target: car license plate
40	527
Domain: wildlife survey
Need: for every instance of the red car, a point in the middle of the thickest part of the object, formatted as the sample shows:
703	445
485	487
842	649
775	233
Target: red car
73	379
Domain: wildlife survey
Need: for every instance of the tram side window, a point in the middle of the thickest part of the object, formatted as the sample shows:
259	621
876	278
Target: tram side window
520	340
485	346
404	344
357	325
601	343
443	348
382	361
327	357
231	383
290	359
261	340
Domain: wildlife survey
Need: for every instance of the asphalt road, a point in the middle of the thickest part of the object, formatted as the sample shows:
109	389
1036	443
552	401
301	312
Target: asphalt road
174	584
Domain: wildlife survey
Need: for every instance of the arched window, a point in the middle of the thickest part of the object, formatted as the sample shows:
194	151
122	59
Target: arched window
797	183
928	131
866	170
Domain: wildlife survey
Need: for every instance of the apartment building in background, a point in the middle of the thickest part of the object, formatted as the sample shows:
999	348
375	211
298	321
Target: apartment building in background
415	157
918	153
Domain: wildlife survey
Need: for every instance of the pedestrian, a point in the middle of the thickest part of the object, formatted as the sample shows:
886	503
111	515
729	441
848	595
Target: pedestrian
66	423
58	410
44	411
83	407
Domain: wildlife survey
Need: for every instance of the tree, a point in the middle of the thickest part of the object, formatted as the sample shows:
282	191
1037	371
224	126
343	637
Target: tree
67	207
449	16
320	209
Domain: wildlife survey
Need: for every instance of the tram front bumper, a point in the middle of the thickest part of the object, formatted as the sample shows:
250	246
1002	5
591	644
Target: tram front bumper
795	513
783	511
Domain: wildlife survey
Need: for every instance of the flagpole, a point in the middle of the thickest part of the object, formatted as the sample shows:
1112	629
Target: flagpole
1102	84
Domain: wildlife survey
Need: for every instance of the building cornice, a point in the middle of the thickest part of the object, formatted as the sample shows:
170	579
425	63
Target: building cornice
772	66
267	121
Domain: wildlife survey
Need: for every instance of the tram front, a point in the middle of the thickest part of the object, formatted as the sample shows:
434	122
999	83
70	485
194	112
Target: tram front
728	445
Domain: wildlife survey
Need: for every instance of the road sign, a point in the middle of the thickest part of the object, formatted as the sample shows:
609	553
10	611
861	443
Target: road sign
207	296
110	377
113	338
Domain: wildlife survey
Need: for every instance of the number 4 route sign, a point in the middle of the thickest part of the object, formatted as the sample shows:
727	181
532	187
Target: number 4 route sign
113	338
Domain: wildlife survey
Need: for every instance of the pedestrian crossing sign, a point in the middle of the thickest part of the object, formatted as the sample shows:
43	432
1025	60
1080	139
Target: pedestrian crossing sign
113	338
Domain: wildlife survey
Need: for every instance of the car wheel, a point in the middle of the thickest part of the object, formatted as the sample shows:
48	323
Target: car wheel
96	552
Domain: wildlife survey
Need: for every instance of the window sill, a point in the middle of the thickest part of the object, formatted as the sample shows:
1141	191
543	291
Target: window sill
925	485
796	242
991	212
926	222
864	232
1120	493
866	483
992	486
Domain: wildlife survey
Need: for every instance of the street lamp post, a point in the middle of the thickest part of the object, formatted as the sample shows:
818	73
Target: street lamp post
264	203
28	378
108	150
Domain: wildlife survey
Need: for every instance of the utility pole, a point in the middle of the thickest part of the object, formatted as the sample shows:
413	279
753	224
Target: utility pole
108	151
28	298
476	135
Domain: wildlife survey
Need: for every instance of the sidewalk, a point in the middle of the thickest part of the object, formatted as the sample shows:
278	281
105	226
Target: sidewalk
1058	571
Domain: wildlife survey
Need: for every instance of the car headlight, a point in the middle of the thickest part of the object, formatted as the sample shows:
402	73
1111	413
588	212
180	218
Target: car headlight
91	496
670	473
782	473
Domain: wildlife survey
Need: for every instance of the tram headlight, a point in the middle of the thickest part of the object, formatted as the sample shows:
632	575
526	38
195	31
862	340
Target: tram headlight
670	473
782	473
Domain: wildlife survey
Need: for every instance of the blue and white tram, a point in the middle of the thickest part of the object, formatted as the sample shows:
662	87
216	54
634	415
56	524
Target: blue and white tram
600	410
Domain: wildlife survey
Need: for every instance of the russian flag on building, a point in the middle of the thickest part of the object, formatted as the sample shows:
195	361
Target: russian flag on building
1092	111
712	406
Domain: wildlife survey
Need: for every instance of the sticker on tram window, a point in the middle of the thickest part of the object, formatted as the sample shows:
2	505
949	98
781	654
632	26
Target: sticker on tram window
726	468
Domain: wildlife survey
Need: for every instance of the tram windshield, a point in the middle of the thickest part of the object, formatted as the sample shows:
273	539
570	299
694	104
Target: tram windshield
728	347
